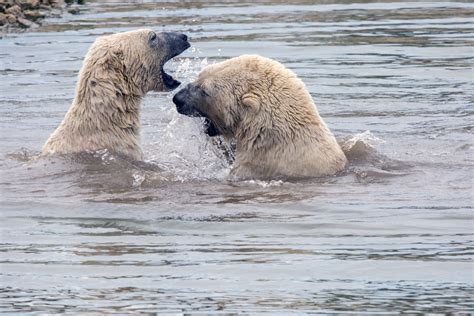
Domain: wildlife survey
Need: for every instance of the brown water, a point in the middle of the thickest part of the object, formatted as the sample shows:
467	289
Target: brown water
394	82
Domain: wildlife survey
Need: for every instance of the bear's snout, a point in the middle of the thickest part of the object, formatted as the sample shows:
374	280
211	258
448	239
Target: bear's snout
184	102
178	43
172	36
178	99
182	107
183	37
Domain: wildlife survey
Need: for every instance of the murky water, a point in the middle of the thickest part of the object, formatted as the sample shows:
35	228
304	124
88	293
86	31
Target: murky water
394	233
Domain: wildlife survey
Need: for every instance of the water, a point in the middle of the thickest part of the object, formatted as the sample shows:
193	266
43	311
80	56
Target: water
394	233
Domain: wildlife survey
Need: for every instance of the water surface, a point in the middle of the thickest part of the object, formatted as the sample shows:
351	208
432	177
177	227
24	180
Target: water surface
394	233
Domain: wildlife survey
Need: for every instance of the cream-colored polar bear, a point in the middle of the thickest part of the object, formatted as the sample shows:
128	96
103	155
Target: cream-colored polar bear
117	72
267	109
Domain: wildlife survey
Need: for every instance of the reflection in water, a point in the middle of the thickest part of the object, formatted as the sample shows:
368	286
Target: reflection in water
95	233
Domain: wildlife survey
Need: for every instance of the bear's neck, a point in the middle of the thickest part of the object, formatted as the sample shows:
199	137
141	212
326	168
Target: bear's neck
276	132
106	113
104	122
286	148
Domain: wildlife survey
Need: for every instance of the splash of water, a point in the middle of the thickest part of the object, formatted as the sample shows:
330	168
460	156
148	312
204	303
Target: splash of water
187	69
366	162
264	184
181	148
360	146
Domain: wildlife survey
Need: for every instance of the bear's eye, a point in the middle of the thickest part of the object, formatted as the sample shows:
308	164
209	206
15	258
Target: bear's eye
152	36
203	92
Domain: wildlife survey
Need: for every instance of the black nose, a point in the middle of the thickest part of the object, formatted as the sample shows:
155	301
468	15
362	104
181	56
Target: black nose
172	36
178	100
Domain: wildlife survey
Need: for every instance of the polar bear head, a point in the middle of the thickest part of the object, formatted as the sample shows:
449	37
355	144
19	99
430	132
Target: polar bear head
246	94
132	61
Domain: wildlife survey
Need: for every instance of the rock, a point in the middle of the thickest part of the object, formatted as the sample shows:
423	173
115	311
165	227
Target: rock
29	4
33	3
11	18
74	10
3	19
45	7
14	10
24	13
26	23
34	15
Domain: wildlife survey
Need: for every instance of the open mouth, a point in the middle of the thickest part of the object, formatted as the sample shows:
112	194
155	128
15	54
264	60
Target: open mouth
168	81
210	128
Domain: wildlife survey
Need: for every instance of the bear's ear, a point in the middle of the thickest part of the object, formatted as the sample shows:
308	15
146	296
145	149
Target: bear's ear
251	100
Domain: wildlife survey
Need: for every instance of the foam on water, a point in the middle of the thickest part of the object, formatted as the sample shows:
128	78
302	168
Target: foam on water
181	152
264	184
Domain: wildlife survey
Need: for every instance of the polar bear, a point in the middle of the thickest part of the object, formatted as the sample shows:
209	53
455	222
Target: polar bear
267	110
117	72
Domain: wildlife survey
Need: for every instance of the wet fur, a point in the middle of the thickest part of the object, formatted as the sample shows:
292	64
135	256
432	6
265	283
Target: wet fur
267	109
117	72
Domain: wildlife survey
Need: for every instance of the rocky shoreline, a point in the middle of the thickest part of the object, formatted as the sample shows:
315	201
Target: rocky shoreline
18	15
